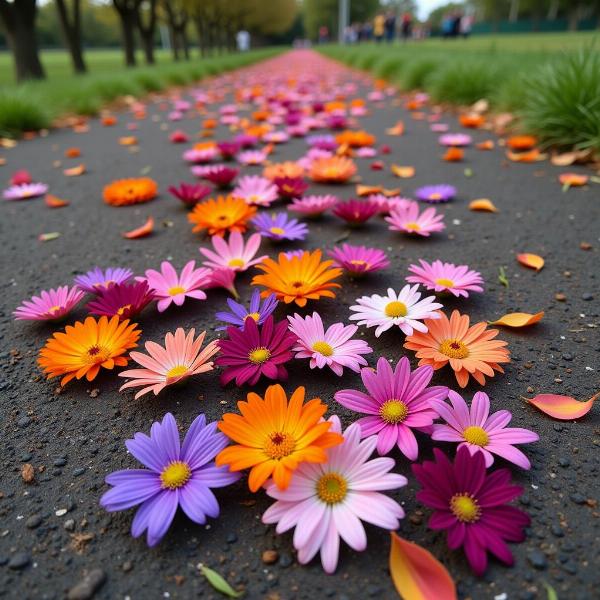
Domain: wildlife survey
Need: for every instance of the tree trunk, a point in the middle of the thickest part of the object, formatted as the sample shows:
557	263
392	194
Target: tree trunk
174	35
72	33
184	43
147	31
18	19
127	11
513	15
148	44
553	10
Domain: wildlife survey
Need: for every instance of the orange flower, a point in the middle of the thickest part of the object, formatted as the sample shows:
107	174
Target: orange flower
260	115
85	347
209	123
221	215
355	139
299	278
123	192
285	169
109	121
274	437
469	350
454	154
521	142
573	179
336	169
72	152
334	106
471	120
528	156
205	145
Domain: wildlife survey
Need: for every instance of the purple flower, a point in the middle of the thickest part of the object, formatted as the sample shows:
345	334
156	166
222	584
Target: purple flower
175	476
96	279
397	402
258	311
279	226
479	431
123	300
435	194
25	191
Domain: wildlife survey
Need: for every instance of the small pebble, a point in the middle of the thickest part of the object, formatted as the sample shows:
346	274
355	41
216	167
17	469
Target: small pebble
270	556
19	561
537	559
88	586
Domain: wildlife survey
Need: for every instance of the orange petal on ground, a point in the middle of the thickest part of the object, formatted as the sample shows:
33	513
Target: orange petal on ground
531	156
518	319
140	232
533	261
564	408
72	152
483	204
55	202
75	171
485	145
128	140
367	190
109	120
397	129
2	161
417	574
565	159
402	172
454	154
389	192
573	179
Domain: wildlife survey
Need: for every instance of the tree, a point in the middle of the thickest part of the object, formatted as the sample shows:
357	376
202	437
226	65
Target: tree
71	31
177	20
127	10
147	30
18	21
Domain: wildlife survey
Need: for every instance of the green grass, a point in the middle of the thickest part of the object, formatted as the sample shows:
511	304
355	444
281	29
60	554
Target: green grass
34	105
551	81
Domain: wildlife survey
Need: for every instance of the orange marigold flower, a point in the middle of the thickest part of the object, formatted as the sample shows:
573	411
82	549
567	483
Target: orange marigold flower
334	106
471	120
274	437
288	169
205	145
109	121
85	347
298	278
221	214
336	169
355	139
469	350
521	142
209	123
260	115
123	192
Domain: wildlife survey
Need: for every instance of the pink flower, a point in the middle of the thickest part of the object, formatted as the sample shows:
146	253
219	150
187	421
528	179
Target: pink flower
359	260
397	401
408	220
479	431
200	156
233	254
179	359
327	501
446	277
332	348
169	287
354	211
313	206
256	190
224	278
252	157
178	137
50	305
25	191
386	204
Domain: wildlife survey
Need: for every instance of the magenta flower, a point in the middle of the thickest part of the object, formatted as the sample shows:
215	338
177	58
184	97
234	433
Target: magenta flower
333	348
222	278
455	139
446	277
234	253
354	212
290	187
255	351
221	176
327	501
50	305
479	431
123	300
398	401
176	476
313	206
434	194
25	191
408	220
359	260
190	193
472	506
228	149
96	279
256	190
169	287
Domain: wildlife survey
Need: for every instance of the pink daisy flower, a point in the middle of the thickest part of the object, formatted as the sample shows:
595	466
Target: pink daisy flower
386	204
25	191
234	253
446	277
50	305
313	206
179	359
256	190
359	260
332	348
169	287
455	139
327	501
252	157
200	156
407	219
479	431
222	278
397	402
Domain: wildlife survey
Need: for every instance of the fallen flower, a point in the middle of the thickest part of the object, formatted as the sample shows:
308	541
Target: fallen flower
403	172
55	202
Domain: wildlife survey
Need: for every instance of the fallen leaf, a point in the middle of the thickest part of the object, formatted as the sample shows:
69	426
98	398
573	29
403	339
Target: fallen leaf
2	161
564	408
27	473
550	591
128	140
397	129
55	202
518	319
417	574
75	171
367	190
218	582
533	261
140	232
403	172
483	204
565	159
48	237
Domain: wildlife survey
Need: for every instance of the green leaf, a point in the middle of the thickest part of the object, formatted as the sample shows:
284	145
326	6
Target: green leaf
566	187
502	278
218	582
552	595
468	172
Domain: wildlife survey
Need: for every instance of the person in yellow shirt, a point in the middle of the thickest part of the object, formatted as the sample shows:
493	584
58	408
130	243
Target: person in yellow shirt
379	27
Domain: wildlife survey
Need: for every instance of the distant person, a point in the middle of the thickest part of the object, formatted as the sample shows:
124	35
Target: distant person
466	24
390	26
456	19
406	26
379	27
367	31
323	34
447	23
243	40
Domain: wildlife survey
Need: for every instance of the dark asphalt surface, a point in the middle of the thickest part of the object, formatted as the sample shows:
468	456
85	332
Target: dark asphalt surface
53	531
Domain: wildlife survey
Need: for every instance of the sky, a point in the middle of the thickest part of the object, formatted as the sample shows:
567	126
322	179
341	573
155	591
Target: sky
424	7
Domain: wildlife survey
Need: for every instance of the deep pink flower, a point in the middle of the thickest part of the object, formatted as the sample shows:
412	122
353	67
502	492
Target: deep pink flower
228	150
123	300
290	187
190	193
354	211
222	177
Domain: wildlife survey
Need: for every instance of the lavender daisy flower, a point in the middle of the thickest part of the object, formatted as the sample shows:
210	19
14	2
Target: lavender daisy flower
257	310
175	476
435	194
322	142
279	226
97	279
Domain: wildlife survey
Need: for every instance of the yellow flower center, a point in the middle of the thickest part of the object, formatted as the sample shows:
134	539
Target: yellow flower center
96	354
395	309
177	371
465	508
279	445
277	230
255	316
454	349
445	282
393	411
54	309
123	309
176	290
360	263
331	172
175	475
412	226
476	435
236	262
323	348
253	198
332	488
259	355
435	196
